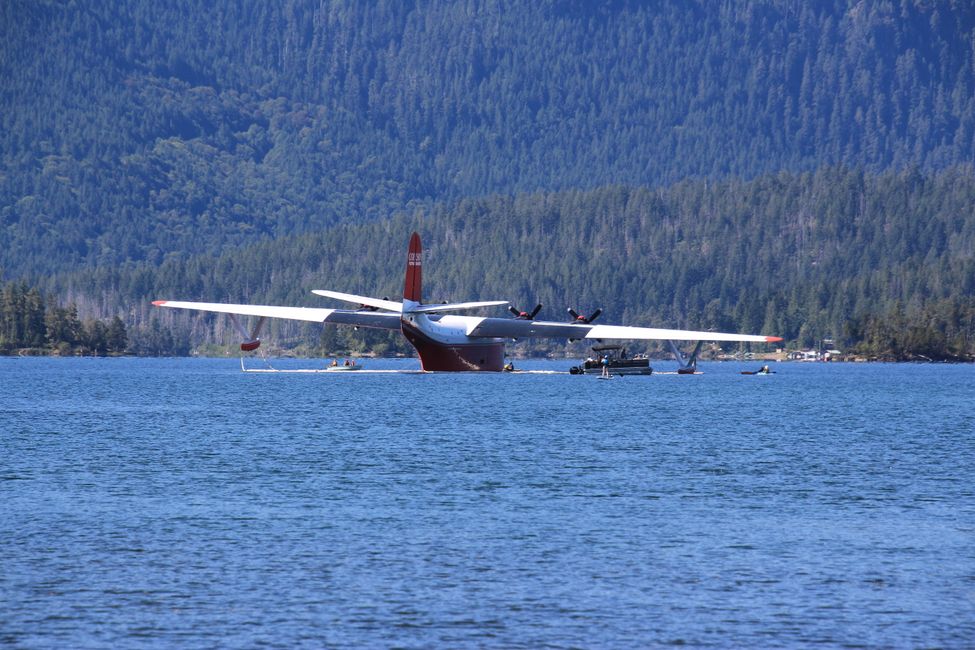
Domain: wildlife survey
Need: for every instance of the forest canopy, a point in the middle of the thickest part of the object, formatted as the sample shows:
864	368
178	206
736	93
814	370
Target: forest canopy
135	131
833	254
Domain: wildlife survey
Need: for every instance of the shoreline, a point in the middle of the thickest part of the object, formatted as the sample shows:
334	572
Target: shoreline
33	352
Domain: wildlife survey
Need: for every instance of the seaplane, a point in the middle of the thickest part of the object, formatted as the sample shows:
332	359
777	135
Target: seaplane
444	340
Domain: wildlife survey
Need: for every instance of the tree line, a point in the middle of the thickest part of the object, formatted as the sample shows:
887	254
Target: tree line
33	323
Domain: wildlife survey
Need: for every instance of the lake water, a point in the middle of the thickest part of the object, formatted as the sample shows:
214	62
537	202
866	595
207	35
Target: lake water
182	503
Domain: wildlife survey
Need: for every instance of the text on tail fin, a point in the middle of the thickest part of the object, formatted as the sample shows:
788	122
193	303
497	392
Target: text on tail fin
414	270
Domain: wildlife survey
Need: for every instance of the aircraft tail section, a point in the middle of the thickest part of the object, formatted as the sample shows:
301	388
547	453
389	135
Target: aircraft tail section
414	272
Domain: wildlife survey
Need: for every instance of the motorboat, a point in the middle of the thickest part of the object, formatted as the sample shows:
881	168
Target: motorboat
344	367
617	360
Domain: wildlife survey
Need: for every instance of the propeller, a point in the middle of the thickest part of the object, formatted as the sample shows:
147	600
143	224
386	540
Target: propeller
526	315
583	319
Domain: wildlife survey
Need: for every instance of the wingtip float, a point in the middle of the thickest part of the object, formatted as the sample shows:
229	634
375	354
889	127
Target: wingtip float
445	341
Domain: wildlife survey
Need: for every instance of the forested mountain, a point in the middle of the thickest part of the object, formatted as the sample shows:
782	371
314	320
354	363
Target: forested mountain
884	262
145	130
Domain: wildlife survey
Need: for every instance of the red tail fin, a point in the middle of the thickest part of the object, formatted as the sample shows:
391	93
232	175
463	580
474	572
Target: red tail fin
414	275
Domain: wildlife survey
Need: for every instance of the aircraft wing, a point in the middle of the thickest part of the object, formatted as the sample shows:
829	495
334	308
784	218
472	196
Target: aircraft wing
380	320
656	334
514	328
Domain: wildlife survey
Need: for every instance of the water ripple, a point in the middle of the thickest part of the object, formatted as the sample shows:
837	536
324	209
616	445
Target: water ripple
161	503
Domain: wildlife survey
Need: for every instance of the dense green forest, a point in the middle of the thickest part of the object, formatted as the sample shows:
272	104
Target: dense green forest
31	323
145	130
884	264
800	169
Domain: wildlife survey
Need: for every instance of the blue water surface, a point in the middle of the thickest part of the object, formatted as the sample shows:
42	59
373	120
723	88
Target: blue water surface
183	503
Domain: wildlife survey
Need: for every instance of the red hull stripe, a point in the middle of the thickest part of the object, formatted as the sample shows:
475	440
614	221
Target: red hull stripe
414	270
442	357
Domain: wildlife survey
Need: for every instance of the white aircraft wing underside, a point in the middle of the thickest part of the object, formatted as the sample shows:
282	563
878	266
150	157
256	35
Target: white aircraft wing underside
655	334
514	328
311	314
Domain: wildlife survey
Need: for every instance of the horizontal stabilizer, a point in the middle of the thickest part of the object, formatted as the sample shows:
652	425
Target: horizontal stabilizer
456	306
397	307
378	303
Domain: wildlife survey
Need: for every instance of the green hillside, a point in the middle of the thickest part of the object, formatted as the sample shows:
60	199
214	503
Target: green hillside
884	262
140	131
